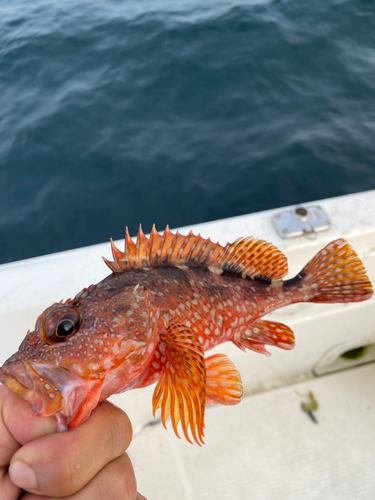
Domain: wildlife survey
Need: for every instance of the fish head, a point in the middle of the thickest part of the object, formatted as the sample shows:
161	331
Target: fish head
104	337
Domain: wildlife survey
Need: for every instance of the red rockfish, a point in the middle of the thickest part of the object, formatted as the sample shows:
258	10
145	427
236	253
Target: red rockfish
169	299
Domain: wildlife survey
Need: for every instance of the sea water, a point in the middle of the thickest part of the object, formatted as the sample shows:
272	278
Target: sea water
116	113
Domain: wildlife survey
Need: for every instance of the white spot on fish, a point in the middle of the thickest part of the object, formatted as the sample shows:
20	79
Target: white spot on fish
107	364
215	270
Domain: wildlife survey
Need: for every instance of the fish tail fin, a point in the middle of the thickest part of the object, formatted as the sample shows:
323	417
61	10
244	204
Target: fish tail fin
336	274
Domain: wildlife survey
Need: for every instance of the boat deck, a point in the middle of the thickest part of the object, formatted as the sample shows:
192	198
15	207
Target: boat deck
266	447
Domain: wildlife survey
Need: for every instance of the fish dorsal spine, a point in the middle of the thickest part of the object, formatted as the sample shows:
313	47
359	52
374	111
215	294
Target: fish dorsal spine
247	256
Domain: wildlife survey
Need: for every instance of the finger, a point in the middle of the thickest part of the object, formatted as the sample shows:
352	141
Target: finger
8	491
19	424
116	481
61	464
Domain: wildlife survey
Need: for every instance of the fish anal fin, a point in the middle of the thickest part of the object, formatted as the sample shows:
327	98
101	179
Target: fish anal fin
261	333
180	391
223	382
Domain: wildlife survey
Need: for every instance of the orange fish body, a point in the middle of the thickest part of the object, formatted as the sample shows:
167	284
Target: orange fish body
168	300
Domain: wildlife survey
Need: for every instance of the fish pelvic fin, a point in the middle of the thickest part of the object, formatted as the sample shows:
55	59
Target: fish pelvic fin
180	391
336	274
223	382
261	333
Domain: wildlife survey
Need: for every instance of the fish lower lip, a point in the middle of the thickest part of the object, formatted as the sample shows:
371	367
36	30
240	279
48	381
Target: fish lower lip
21	377
26	393
18	370
52	390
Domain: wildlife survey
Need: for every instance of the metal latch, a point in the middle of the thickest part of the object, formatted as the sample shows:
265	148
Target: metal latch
301	220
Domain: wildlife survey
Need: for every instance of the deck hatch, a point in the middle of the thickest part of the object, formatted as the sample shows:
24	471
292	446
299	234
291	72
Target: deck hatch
301	220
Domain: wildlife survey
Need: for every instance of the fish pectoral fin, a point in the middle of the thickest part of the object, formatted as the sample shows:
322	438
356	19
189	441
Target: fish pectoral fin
180	392
261	333
223	382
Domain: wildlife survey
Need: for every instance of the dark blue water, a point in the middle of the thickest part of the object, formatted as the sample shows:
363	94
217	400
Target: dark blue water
115	113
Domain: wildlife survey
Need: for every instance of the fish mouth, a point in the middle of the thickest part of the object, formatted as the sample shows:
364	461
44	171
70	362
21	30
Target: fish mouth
22	378
51	391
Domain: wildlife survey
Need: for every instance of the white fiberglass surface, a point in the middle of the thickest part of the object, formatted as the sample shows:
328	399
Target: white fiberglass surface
266	447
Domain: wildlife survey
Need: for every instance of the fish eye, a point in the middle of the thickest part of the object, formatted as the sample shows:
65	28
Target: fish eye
64	328
61	324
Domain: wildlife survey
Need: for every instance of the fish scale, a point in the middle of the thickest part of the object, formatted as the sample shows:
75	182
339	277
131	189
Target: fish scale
169	299
182	294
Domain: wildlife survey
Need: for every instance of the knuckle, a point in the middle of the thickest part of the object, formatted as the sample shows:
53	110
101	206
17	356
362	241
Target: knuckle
70	471
120	431
70	478
120	482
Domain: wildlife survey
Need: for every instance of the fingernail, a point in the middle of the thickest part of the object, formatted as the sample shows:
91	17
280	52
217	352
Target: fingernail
23	475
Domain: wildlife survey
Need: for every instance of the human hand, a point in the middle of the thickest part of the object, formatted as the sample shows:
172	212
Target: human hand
87	462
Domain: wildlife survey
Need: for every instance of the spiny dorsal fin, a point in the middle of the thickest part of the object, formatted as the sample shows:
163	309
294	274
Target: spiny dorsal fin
247	256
